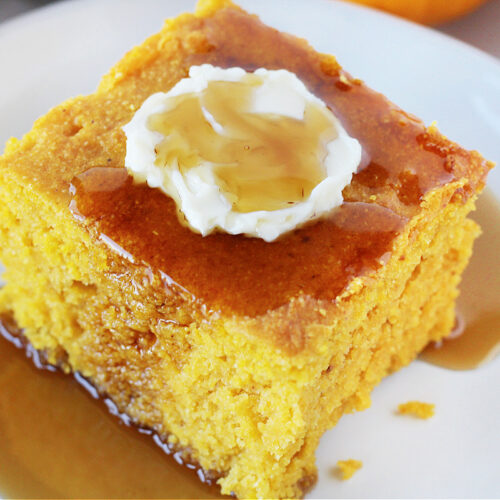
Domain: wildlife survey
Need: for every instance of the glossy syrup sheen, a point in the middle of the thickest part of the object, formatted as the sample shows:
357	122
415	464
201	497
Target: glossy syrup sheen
248	276
261	161
240	273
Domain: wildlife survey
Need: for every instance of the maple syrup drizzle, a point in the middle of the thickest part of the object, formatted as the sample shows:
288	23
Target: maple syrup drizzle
316	260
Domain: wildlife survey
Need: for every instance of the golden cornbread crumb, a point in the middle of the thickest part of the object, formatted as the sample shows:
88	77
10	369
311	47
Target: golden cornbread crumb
417	409
348	467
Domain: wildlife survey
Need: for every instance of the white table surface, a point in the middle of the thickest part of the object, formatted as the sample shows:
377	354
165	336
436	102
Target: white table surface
481	28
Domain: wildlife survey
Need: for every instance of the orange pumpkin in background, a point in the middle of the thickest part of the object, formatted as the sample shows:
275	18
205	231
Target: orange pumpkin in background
425	11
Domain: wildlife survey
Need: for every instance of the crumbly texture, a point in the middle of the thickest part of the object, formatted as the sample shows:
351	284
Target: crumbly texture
246	390
417	409
349	467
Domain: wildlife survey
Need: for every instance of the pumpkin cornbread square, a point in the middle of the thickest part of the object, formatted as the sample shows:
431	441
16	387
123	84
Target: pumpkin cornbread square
242	352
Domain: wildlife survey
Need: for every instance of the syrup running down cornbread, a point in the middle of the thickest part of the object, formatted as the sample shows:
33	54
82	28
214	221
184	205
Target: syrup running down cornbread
242	352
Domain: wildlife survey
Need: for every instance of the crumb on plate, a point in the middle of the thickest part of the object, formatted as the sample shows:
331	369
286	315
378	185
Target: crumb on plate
348	467
417	409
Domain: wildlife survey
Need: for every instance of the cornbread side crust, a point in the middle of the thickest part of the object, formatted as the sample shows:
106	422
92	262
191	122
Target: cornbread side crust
240	352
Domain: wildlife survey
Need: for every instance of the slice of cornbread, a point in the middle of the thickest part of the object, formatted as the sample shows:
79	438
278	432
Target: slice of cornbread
238	351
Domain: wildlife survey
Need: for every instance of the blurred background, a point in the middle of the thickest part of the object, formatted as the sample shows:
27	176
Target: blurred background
476	22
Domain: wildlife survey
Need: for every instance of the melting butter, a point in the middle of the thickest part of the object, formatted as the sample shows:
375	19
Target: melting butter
261	161
246	153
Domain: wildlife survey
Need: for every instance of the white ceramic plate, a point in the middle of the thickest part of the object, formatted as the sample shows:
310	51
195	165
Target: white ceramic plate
61	51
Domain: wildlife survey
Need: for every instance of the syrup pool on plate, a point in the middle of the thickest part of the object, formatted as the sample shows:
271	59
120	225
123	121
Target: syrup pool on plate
476	339
59	441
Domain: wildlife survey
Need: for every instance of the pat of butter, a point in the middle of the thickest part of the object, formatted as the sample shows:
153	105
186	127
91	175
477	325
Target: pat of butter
244	153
